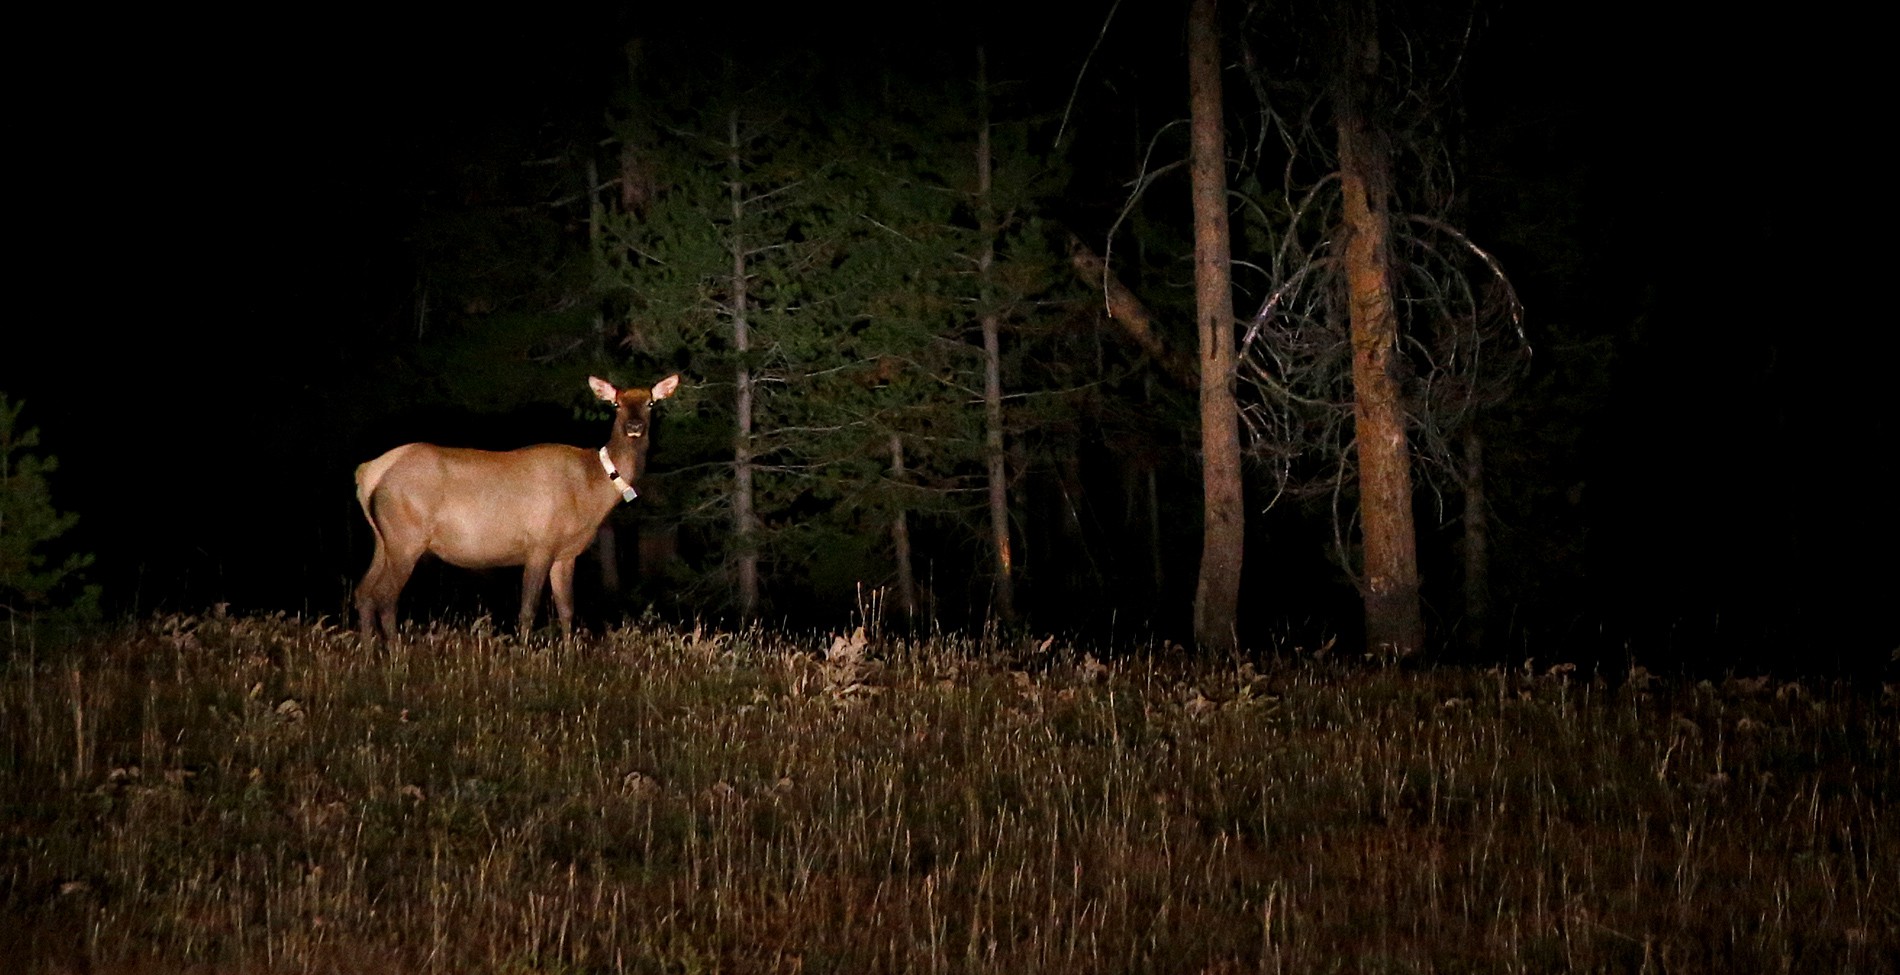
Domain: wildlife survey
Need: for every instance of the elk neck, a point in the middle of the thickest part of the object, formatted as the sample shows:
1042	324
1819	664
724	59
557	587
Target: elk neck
621	466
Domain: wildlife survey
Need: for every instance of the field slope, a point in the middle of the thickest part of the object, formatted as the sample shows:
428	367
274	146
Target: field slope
266	795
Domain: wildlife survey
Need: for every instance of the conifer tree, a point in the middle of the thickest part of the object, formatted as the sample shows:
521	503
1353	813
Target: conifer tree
819	267
28	523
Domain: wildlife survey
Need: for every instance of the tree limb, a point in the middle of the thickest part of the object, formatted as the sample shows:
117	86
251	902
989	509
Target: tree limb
1127	311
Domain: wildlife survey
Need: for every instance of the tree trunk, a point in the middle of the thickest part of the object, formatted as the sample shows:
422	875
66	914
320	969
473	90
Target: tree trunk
1477	544
991	323
658	548
1217	596
606	546
1393	622
900	535
744	521
605	542
604	338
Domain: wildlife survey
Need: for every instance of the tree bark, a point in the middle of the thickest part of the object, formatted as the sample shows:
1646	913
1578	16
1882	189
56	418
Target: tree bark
1477	544
1393	622
1217	596
991	323
744	520
900	536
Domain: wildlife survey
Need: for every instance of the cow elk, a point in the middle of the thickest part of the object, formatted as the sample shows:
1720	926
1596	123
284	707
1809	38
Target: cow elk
536	507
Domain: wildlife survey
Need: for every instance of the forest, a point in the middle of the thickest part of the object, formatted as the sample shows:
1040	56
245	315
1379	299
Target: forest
1201	487
934	293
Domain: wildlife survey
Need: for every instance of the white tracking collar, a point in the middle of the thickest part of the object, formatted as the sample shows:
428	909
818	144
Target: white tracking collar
627	493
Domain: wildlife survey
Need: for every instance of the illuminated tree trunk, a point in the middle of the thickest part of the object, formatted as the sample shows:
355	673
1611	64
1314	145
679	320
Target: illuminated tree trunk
1217	596
991	323
744	520
1393	622
900	536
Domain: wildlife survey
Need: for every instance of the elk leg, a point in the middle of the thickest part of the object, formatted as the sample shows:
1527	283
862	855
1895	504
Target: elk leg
377	594
366	604
534	578
561	575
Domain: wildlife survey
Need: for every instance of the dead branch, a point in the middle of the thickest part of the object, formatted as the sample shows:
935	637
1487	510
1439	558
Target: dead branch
1128	311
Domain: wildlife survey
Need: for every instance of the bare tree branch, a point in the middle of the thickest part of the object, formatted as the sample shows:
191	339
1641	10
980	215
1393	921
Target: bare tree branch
1127	310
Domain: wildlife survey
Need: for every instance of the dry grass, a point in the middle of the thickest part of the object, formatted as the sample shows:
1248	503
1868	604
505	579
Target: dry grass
263	794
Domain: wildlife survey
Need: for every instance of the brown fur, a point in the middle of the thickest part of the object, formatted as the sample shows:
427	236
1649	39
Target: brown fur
537	507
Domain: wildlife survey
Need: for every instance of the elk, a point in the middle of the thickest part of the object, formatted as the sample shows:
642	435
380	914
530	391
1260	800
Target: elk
536	507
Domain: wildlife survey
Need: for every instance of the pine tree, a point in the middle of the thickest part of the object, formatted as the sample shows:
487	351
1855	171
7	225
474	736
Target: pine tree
722	269
818	266
965	319
28	523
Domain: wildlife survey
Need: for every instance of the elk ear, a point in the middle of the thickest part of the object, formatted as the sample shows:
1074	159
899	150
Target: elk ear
665	387
604	389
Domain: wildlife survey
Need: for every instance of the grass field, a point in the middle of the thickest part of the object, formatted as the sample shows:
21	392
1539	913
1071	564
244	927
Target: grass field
212	794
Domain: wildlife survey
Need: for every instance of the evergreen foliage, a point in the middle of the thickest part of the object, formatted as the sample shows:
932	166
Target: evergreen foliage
31	581
859	306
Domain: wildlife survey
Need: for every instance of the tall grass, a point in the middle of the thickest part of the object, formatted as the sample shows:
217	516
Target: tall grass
265	794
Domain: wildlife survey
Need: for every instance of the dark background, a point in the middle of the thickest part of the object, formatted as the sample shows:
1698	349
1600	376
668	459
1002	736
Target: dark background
217	212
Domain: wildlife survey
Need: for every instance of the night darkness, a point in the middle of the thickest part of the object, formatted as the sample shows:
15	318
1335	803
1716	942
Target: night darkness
218	218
